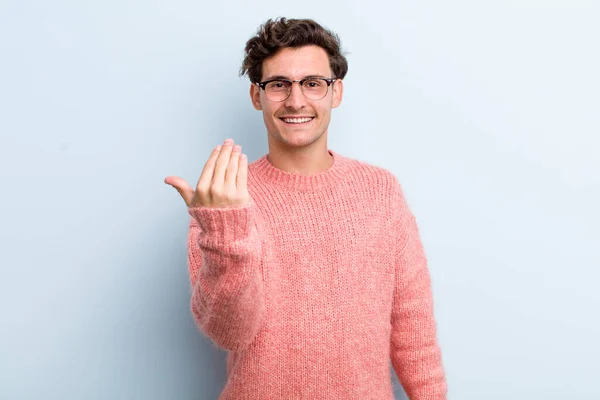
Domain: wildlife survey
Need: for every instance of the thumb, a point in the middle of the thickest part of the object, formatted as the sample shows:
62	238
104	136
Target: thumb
185	190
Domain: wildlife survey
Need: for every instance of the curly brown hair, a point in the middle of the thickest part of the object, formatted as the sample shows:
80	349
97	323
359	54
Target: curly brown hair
276	34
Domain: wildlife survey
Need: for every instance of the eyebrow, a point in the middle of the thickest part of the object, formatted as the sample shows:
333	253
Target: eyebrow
281	77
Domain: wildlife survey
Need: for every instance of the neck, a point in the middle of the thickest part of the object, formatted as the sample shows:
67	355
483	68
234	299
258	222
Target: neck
308	160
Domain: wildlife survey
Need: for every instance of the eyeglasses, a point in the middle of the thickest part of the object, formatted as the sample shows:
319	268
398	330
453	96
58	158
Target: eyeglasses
279	89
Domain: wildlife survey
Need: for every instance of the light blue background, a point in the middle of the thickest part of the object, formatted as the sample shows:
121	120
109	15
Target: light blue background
488	112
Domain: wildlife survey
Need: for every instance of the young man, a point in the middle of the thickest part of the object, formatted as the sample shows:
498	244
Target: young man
306	265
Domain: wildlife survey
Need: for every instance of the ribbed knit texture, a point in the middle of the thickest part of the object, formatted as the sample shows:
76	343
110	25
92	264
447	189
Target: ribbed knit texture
315	286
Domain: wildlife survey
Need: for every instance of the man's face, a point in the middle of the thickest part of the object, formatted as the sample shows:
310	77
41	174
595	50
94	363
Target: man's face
292	64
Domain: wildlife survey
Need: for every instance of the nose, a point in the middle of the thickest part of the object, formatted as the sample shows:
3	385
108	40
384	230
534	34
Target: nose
296	98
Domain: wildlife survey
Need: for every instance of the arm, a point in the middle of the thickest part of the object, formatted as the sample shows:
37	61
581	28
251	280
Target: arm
414	351
224	254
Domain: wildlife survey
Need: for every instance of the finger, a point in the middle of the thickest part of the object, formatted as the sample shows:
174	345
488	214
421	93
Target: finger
222	162
242	175
232	168
207	172
185	190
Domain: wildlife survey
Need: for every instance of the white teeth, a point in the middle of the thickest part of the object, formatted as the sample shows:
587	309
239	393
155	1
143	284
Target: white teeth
297	120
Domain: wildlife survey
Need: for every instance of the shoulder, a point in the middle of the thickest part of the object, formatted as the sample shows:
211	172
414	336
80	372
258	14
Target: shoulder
373	176
380	185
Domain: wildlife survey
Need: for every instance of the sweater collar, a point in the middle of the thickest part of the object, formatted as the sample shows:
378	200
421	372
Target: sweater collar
268	173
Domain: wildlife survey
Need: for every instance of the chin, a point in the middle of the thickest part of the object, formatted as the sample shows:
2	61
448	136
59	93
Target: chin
298	139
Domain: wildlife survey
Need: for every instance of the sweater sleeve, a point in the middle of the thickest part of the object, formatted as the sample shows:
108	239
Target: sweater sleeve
415	354
224	256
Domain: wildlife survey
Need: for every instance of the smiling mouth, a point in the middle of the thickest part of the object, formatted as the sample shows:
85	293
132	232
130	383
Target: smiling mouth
297	121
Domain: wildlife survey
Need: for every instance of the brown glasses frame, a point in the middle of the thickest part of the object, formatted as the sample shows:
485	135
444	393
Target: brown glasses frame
263	85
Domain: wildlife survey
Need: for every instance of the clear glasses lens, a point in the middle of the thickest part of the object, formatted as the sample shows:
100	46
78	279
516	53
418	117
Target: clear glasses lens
313	89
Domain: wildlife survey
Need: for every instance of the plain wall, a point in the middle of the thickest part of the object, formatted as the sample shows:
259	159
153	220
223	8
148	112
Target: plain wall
488	113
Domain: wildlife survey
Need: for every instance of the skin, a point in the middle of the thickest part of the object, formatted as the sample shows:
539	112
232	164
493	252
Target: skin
292	148
223	182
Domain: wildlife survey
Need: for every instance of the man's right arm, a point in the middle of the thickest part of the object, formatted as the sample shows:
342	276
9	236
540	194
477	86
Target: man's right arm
224	256
224	249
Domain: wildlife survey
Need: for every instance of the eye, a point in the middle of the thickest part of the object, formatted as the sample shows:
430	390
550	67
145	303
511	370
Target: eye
278	85
314	84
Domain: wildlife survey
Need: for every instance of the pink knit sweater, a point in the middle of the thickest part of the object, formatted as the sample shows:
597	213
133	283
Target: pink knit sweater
315	286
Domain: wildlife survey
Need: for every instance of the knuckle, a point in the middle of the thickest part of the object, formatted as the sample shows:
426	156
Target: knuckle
216	189
202	189
200	195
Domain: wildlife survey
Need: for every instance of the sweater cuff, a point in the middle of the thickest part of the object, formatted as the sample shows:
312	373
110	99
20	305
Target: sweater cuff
227	223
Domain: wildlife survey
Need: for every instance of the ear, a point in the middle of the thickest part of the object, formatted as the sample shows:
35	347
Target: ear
338	91
255	96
